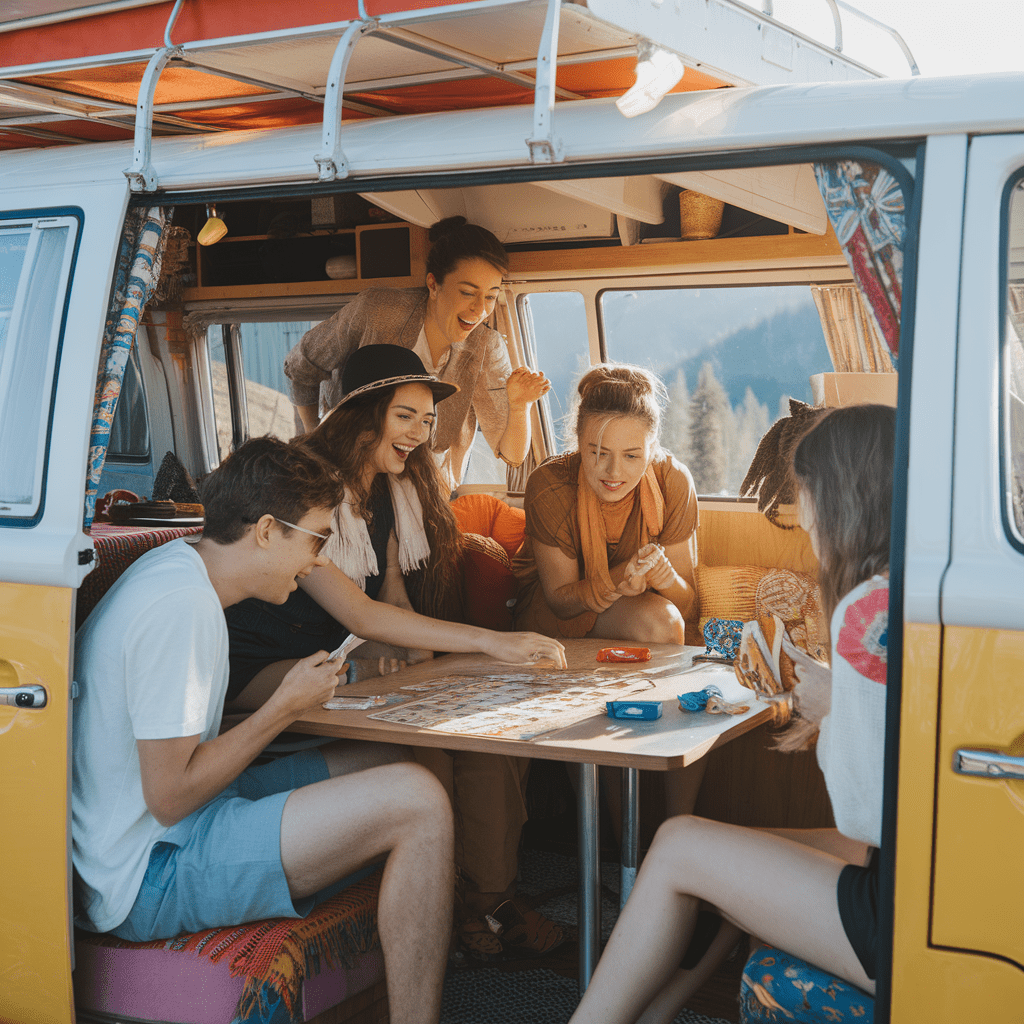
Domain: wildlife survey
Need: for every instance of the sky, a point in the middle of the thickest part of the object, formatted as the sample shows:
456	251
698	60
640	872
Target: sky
945	36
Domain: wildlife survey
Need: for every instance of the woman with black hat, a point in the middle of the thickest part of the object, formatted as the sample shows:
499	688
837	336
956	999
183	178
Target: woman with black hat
443	323
395	540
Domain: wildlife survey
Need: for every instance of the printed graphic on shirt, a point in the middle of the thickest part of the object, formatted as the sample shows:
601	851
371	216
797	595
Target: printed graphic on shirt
865	631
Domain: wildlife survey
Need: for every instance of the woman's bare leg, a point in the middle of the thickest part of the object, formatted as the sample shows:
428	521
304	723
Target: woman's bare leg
684	983
647	618
782	891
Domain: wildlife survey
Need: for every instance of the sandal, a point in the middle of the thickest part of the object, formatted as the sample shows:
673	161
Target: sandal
525	932
479	941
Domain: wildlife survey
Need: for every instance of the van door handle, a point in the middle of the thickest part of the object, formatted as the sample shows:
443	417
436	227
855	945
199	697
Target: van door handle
989	764
30	696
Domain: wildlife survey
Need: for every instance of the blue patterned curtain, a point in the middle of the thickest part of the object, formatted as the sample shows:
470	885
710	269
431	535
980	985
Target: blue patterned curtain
865	205
138	270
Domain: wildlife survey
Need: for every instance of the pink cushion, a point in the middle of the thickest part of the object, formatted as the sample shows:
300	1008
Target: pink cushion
165	985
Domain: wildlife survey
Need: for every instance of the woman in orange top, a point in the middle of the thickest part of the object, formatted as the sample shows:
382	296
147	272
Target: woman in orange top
611	528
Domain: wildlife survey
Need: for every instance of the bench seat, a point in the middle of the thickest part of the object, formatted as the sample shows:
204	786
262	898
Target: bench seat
280	971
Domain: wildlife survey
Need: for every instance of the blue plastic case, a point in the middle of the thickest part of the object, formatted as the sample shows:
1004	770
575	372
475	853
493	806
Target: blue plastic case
635	710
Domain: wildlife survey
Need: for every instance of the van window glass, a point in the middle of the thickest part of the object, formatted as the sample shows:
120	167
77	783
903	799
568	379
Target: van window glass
1013	366
35	261
129	432
731	358
555	327
266	404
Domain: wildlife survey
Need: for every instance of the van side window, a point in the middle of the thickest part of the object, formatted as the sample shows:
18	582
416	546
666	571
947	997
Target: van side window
129	432
1013	365
555	333
35	264
258	394
731	359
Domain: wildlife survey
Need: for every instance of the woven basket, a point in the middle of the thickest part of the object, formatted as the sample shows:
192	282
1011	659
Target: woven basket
700	216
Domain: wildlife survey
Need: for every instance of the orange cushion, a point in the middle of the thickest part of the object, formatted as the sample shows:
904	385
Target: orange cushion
488	583
490	517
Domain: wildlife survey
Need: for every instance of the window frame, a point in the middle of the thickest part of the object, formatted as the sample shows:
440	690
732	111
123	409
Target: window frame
75	221
1014	535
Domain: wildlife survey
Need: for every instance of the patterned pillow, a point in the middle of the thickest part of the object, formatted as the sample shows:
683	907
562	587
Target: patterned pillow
796	599
778	987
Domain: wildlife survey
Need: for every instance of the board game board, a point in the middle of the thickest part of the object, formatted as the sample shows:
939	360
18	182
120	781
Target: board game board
513	705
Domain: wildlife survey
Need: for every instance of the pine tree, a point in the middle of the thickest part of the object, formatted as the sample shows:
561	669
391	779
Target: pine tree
675	424
752	422
710	424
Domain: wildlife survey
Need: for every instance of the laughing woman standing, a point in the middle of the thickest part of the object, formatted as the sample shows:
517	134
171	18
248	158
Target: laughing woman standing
443	323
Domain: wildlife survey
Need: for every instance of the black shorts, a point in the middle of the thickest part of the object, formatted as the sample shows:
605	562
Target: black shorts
260	634
857	892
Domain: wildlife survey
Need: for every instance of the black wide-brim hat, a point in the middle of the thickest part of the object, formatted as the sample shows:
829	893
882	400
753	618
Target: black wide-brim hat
374	367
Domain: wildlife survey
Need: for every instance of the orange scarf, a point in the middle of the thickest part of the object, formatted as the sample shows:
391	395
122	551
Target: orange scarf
597	589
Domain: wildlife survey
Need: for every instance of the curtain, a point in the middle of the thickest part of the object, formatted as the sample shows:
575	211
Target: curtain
865	205
138	270
850	331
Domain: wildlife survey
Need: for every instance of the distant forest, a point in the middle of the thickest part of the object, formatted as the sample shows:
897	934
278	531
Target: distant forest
741	385
730	359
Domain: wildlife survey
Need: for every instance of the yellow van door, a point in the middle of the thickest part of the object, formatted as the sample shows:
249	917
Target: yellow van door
978	898
56	263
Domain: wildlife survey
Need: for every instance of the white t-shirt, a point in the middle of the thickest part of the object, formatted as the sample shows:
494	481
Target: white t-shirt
151	662
852	738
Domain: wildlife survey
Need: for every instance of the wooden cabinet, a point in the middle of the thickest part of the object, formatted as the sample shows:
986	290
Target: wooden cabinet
247	266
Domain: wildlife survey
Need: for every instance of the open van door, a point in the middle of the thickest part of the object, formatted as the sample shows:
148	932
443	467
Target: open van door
58	246
978	901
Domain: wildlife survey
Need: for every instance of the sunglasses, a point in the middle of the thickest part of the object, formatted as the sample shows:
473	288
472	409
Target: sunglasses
322	538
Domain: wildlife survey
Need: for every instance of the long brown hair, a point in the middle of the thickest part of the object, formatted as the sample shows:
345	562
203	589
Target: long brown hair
844	465
347	439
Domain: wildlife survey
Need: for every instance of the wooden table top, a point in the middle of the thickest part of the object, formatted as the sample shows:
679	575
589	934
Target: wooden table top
673	741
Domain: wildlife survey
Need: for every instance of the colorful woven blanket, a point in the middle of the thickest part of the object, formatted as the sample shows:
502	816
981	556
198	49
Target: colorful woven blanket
277	955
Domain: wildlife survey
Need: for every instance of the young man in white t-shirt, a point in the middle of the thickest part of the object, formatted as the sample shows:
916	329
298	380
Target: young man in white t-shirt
172	829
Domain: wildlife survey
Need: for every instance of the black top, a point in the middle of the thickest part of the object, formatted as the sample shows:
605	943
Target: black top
261	633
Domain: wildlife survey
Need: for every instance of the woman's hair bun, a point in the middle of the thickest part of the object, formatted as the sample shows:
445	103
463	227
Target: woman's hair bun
445	227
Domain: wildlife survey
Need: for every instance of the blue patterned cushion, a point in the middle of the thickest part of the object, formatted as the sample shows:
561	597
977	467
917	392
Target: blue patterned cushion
778	987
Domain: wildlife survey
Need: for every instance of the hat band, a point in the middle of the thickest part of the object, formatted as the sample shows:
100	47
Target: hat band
408	378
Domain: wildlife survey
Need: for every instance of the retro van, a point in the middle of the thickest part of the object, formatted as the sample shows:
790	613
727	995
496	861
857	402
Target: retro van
876	226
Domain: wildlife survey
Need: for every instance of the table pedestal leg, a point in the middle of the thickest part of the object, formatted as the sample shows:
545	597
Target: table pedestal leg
590	874
630	829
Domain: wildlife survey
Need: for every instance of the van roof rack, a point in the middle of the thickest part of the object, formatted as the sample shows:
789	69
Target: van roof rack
63	86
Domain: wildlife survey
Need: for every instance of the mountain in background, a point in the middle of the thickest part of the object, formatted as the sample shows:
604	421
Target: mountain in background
770	357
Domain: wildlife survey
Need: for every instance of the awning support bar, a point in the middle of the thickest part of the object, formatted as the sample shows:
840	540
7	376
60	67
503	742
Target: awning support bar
331	160
545	146
141	175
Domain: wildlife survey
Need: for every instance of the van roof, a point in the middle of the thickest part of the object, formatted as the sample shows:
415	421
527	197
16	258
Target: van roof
63	84
718	122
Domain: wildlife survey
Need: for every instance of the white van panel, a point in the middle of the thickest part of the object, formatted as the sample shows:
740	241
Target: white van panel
984	586
48	553
933	382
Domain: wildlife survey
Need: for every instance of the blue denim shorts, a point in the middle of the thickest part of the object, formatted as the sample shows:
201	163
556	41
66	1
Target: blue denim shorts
221	865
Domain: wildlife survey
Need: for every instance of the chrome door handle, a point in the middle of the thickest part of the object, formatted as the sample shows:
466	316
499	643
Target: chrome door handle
989	764
31	696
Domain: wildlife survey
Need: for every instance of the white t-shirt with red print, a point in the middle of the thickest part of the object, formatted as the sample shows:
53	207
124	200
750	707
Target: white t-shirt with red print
852	737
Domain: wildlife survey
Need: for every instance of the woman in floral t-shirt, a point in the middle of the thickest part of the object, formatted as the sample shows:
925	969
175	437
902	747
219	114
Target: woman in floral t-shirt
813	893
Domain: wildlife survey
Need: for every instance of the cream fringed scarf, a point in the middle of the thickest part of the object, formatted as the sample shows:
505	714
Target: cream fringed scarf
594	539
350	548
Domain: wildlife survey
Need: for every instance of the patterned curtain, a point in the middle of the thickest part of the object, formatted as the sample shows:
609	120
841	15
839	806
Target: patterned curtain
866	207
138	270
